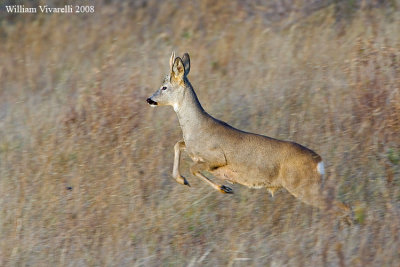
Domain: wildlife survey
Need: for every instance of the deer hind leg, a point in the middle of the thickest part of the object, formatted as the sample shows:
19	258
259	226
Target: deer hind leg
313	194
179	146
321	198
196	169
304	184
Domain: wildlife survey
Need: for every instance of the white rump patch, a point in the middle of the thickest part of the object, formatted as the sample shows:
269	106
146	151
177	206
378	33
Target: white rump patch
321	168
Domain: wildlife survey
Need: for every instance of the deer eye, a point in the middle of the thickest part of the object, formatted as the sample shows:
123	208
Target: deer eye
164	88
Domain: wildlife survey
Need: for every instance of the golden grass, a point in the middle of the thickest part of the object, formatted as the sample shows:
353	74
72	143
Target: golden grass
73	114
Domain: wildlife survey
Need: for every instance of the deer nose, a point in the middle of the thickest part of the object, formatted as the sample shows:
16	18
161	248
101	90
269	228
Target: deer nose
151	102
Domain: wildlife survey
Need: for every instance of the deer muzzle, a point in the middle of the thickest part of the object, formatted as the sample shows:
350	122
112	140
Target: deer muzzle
151	102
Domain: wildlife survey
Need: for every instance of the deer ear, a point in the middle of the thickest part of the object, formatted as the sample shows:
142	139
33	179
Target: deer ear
186	63
178	69
171	60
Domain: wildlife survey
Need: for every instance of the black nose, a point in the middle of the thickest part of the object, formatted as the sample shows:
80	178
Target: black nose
151	102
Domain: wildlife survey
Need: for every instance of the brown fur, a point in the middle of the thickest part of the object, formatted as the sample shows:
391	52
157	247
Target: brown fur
236	156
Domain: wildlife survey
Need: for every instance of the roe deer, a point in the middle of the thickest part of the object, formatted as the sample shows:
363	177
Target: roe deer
240	157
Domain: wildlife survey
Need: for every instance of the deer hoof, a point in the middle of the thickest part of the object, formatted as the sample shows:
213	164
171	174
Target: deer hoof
226	190
182	180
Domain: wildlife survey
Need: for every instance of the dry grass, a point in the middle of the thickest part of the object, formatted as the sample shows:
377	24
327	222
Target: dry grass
73	114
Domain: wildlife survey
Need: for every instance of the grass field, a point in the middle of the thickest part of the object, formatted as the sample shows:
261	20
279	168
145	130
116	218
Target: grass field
85	163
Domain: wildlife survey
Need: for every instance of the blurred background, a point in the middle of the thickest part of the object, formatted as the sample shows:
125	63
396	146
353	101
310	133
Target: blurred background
85	163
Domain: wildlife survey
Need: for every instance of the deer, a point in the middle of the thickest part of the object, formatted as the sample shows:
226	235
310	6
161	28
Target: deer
233	155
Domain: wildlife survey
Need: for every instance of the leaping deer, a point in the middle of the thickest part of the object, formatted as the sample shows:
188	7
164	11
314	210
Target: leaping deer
237	156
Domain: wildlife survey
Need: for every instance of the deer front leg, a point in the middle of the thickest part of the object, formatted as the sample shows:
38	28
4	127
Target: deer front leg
179	146
201	166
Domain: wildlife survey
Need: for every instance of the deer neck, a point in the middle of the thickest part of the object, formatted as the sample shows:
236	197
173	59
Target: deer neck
191	115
